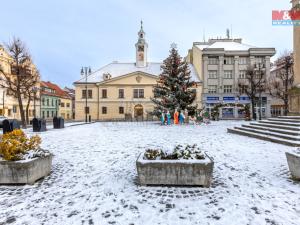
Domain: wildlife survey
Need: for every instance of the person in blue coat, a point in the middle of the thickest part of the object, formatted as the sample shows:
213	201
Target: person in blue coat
168	118
181	118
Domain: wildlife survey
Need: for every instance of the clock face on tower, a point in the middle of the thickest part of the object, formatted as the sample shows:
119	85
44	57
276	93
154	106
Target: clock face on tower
141	56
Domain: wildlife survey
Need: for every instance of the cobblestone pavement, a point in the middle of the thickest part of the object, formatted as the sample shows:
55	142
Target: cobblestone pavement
93	180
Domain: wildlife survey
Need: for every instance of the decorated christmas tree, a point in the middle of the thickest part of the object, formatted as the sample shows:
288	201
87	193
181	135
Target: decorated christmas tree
174	86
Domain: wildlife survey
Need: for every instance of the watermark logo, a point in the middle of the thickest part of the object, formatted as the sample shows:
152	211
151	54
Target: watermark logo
286	17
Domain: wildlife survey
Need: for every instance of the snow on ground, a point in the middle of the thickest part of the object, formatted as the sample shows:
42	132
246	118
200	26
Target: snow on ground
94	180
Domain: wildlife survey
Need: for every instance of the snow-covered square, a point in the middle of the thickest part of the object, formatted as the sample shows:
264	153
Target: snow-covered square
94	180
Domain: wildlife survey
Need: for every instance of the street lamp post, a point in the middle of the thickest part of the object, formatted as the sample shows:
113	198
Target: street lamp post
3	94
85	71
34	89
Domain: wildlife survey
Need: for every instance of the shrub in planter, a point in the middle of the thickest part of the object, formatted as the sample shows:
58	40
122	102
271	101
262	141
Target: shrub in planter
183	165
179	152
14	145
22	161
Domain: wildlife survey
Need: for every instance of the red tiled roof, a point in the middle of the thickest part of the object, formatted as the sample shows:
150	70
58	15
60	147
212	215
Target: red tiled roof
58	92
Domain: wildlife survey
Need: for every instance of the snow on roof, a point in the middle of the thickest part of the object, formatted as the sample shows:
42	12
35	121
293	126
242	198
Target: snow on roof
227	45
117	69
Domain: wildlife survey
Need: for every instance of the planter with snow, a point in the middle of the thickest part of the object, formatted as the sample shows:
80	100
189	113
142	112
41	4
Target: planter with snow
25	171
293	160
22	161
193	169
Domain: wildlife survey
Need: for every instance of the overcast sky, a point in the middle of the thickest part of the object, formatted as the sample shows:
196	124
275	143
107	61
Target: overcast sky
64	35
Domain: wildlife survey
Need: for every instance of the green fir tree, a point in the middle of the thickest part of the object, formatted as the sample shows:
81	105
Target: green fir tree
174	86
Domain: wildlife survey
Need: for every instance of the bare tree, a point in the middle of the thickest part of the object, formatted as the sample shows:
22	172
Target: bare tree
22	76
253	85
280	84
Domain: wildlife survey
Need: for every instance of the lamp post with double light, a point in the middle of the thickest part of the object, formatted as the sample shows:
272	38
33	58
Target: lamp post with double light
86	71
34	90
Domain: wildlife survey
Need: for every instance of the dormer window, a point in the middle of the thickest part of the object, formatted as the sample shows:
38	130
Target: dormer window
106	76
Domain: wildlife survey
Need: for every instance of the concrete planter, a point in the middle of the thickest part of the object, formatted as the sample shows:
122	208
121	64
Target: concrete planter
294	164
175	172
25	171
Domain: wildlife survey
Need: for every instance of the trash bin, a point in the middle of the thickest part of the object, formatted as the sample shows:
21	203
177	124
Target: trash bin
10	125
58	122
39	125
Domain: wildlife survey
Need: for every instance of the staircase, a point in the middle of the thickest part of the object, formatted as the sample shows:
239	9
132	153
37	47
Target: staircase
283	130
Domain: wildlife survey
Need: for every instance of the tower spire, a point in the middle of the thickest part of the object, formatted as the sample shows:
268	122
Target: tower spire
141	48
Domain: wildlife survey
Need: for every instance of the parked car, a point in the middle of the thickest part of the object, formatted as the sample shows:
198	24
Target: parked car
2	118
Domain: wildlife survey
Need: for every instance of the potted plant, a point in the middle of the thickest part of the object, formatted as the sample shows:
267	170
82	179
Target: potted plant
22	161
184	165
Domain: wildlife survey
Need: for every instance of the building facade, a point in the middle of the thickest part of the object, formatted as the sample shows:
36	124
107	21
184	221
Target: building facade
294	97
71	93
9	106
296	40
221	64
122	90
55	102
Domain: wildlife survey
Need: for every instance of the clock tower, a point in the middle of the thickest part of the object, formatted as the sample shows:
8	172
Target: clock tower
141	49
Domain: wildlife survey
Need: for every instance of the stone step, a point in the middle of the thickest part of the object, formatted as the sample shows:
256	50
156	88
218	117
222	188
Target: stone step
273	134
281	131
276	126
285	120
289	117
264	137
280	123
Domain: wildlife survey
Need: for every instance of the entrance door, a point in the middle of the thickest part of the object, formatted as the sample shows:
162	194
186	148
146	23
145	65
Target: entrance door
138	111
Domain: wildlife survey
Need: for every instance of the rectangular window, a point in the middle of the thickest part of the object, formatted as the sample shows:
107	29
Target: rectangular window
47	102
68	105
243	60
228	60
43	114
212	74
43	101
228	74
52	102
48	114
87	110
62	104
212	89
242	89
213	60
83	94
121	110
121	93
227	88
9	112
242	74
138	93
90	93
104	93
52	114
104	110
259	59
135	93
